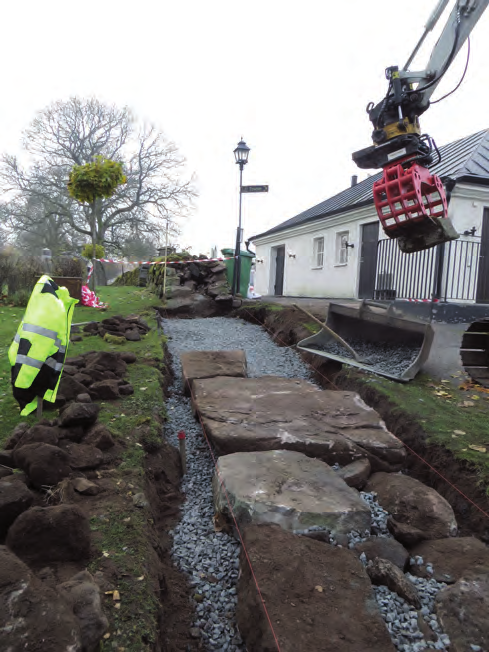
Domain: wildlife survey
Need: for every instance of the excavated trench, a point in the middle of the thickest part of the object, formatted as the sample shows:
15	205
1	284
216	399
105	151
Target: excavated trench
199	595
459	485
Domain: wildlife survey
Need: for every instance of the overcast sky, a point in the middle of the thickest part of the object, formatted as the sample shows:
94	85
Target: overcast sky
292	78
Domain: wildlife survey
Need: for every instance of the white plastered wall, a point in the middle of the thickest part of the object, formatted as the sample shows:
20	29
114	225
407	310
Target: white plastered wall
302	278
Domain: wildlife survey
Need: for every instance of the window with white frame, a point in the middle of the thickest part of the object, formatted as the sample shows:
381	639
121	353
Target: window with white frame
318	252
341	248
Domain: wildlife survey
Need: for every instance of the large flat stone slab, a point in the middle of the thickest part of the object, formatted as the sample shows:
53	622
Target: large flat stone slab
318	597
271	413
288	489
197	365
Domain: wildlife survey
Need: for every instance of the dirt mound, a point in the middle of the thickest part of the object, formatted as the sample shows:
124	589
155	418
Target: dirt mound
50	534
44	464
318	597
15	498
130	328
33	617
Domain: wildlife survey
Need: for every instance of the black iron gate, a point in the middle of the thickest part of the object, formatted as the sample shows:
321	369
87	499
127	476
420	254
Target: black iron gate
446	272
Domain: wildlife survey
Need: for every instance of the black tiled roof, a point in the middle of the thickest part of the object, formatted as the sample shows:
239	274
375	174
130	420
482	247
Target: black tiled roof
467	156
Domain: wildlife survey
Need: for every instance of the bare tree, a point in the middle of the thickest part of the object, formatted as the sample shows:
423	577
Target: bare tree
44	228
74	132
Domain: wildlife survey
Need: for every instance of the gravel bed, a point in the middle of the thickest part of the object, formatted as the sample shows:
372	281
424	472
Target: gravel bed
211	559
402	618
385	358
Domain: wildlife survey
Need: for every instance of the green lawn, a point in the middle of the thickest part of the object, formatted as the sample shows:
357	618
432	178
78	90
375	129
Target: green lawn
124	532
456	417
122	301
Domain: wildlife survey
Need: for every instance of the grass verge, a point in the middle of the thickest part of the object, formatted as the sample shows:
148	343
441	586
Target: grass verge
121	300
453	417
123	533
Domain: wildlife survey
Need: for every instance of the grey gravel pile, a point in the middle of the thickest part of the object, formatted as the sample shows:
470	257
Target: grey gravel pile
385	358
264	357
379	515
211	559
402	618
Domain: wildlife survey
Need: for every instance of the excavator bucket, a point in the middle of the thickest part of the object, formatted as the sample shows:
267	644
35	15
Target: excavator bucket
412	207
387	342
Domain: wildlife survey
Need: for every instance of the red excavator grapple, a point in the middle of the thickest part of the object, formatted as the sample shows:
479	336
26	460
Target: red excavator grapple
411	201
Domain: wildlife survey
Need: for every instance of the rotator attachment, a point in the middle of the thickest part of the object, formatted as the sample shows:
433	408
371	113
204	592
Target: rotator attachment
412	206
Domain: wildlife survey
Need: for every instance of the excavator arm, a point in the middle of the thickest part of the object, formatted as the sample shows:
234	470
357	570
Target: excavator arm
410	201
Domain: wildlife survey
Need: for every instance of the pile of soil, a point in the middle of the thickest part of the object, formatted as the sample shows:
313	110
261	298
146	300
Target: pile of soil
131	328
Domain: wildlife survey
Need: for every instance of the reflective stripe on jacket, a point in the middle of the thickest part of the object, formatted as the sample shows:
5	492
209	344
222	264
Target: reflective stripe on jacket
39	349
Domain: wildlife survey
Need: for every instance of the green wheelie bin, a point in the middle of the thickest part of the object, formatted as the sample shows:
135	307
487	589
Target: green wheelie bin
246	261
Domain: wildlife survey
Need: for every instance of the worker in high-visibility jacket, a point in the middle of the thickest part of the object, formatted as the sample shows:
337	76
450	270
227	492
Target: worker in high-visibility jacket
39	349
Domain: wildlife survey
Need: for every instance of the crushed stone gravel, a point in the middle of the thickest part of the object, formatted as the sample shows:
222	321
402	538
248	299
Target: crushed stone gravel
210	559
392	359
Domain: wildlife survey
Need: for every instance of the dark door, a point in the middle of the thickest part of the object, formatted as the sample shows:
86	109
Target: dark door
483	275
279	271
368	260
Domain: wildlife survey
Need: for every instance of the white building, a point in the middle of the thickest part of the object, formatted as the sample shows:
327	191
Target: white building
337	249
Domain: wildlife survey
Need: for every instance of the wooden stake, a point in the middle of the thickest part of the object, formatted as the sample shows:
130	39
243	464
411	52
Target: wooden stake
183	452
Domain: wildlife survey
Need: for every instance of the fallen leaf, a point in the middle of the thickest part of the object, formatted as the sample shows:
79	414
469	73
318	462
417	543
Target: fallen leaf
479	449
441	393
117	605
143	389
109	592
319	588
105	554
464	449
116	595
459	432
466	404
475	397
140	579
107	635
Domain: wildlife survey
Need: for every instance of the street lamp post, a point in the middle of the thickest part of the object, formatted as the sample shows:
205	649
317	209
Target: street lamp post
241	154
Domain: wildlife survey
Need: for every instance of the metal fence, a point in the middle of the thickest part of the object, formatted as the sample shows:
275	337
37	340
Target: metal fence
447	272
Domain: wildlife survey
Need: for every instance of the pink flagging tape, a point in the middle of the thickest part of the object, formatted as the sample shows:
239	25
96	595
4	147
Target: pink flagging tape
162	262
420	300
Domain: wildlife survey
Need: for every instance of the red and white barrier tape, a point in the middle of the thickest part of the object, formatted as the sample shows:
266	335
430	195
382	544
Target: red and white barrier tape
162	262
420	300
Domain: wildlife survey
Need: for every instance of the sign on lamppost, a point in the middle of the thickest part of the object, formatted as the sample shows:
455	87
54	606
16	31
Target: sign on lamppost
254	188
